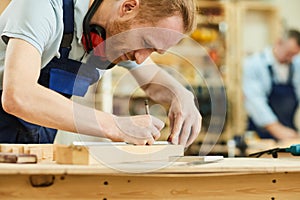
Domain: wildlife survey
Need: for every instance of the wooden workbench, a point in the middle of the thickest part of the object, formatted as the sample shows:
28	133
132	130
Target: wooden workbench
236	178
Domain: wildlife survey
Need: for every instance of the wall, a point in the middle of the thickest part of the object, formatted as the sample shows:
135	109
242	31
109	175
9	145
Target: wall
289	10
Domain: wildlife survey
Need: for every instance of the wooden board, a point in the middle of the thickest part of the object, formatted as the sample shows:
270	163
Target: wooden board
228	165
237	178
106	187
112	153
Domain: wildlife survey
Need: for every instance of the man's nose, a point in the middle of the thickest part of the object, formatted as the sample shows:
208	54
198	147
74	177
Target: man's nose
142	54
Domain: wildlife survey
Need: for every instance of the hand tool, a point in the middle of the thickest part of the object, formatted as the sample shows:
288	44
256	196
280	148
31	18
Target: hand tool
293	149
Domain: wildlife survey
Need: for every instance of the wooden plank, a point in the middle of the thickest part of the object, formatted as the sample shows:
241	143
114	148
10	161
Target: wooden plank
228	187
228	165
110	153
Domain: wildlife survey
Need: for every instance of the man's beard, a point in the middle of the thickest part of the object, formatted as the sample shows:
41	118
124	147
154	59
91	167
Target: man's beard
117	36
117	27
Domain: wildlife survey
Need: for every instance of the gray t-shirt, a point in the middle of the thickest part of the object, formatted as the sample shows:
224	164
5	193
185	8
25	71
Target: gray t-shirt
40	23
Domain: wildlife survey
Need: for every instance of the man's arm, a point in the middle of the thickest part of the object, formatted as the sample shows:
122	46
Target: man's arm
25	98
185	119
281	132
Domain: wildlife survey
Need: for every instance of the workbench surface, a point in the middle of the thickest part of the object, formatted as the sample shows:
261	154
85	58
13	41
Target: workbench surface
228	165
228	179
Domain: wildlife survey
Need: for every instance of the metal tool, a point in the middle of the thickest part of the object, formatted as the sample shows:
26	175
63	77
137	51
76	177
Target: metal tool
293	149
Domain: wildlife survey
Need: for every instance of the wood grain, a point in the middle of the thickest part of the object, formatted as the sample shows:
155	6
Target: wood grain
238	178
226	187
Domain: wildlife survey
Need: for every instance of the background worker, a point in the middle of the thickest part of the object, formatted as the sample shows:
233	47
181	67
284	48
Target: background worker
31	36
271	87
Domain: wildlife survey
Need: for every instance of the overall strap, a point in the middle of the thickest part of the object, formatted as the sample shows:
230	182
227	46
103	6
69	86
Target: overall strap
67	76
68	18
270	68
271	72
291	73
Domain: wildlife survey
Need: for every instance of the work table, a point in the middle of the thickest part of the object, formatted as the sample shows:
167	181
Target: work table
231	178
228	165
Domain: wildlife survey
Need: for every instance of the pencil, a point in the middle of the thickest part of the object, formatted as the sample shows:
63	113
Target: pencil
147	107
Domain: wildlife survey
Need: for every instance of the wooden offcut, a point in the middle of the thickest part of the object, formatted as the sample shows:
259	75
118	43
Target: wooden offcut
114	153
44	152
71	155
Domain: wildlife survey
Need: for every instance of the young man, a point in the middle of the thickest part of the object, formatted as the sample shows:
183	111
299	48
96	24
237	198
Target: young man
272	88
31	34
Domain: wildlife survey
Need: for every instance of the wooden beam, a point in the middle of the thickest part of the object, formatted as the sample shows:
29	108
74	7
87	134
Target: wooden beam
138	186
3	5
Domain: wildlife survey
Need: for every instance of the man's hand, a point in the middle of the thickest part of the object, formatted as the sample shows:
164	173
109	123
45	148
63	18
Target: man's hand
185	120
282	132
139	130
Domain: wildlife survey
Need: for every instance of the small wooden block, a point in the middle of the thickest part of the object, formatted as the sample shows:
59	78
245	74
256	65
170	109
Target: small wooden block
12	148
44	152
63	154
37	152
17	150
71	155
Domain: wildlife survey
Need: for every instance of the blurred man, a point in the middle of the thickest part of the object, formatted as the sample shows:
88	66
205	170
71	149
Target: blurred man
271	87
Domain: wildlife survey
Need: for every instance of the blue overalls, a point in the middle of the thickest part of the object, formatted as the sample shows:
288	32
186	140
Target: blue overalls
61	75
283	101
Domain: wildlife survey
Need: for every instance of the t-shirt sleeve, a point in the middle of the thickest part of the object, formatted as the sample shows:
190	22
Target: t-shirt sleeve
30	20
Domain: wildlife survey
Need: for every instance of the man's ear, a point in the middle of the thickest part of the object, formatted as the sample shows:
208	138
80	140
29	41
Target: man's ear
128	7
